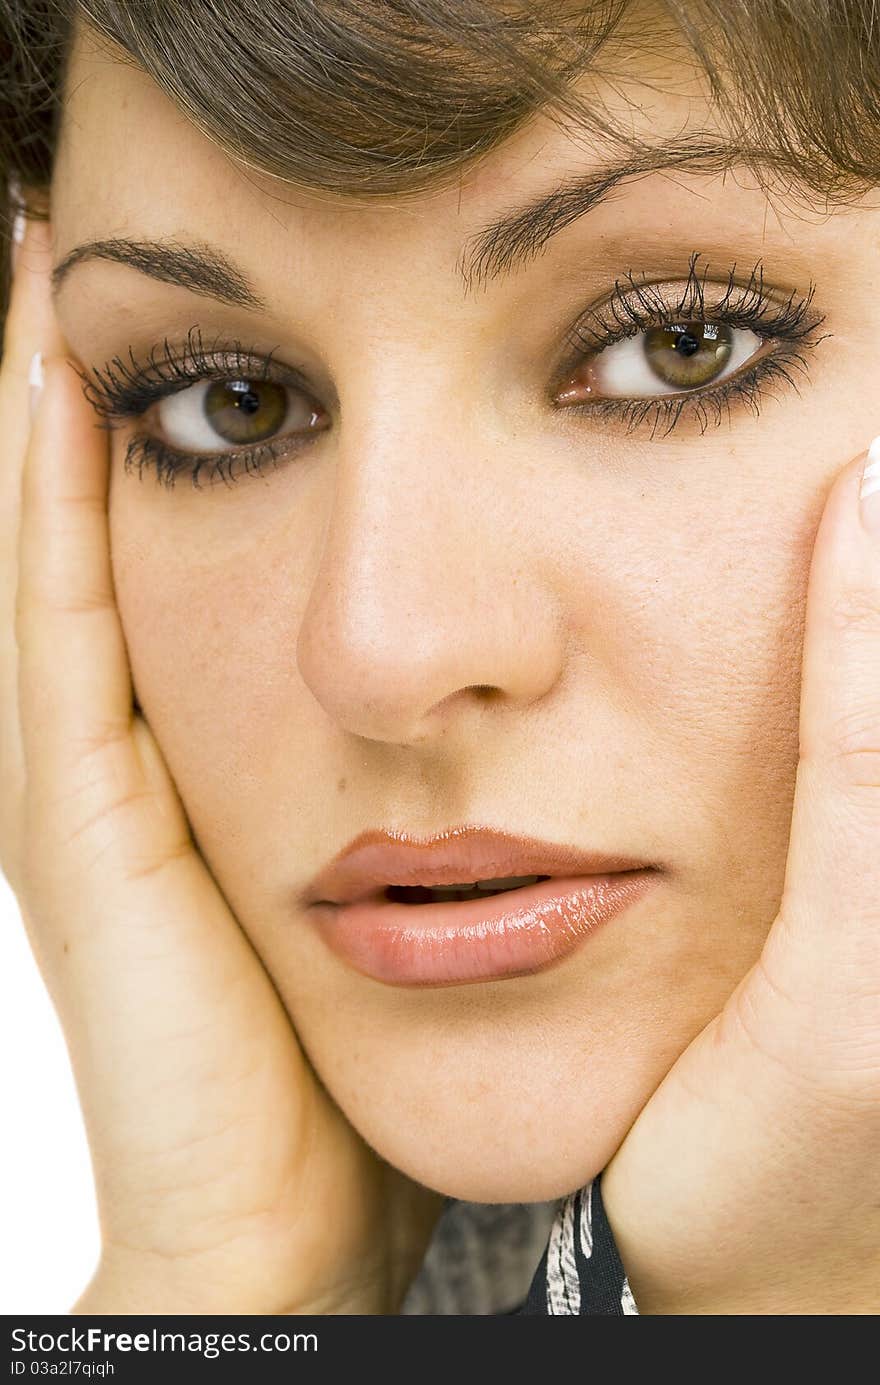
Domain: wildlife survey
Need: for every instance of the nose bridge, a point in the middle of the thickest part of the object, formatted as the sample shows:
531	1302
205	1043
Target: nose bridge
400	560
415	467
416	596
411	432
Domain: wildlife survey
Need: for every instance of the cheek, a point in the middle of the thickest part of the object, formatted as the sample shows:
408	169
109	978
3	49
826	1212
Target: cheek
686	648
212	643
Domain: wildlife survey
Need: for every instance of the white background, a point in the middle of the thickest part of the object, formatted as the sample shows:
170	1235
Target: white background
48	1218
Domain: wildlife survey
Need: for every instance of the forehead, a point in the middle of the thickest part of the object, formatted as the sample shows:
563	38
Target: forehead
129	158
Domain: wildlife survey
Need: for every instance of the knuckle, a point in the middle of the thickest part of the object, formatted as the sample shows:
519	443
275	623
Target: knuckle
857	729
90	800
102	735
855	609
149	867
855	745
53	597
859	769
846	749
82	603
848	1085
825	1048
55	590
110	811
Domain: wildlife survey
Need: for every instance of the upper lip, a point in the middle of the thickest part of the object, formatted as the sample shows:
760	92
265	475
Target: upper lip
378	858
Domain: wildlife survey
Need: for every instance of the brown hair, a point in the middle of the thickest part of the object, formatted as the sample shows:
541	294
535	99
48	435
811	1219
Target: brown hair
384	97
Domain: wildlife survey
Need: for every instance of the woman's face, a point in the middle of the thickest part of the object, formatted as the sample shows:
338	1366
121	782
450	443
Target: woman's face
311	645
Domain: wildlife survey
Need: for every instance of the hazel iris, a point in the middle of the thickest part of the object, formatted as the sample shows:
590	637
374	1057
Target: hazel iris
688	354
244	411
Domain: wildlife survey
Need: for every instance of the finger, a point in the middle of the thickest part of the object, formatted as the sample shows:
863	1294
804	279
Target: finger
104	835
30	325
831	893
74	678
774	1106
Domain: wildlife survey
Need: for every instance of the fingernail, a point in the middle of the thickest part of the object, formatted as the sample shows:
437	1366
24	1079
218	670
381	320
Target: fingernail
19	224
35	382
869	495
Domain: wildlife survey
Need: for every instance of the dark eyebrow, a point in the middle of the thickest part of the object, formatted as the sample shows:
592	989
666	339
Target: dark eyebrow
519	236
201	269
490	253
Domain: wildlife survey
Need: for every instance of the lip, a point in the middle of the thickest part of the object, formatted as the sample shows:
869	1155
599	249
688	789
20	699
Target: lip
513	933
380	857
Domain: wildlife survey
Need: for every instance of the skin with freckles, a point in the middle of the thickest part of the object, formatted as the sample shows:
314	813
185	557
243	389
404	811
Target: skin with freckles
312	646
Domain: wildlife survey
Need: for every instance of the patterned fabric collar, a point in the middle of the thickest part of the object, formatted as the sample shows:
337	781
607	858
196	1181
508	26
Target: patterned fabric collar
581	1270
483	1256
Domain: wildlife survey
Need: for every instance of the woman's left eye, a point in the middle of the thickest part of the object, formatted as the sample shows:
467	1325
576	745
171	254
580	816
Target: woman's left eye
236	412
664	360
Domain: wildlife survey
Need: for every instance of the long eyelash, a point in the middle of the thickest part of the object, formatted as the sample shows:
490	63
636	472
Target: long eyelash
639	307
741	305
146	451
121	392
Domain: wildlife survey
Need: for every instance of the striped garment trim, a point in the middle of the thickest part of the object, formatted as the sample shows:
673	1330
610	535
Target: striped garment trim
563	1281
627	1302
581	1270
586	1196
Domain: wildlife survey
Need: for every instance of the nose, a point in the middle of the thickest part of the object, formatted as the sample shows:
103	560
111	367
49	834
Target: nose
429	597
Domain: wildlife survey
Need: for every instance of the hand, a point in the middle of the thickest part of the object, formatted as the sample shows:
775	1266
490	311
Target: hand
750	1182
227	1180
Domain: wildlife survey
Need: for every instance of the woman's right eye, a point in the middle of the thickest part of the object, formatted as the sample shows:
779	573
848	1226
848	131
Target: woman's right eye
237	412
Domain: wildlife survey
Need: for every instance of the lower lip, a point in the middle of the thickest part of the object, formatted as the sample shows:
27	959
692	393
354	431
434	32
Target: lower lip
511	934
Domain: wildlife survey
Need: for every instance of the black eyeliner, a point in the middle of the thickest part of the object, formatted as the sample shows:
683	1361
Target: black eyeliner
632	309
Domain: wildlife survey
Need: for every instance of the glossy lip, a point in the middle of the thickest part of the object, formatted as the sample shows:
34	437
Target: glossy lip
381	857
514	933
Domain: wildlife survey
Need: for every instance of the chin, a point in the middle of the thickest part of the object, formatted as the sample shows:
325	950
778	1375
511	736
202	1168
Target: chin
493	1162
529	1132
520	1181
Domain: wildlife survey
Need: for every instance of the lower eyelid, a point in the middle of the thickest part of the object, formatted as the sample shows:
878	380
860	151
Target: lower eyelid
148	453
745	389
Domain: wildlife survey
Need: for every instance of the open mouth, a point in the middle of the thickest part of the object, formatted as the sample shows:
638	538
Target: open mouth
448	894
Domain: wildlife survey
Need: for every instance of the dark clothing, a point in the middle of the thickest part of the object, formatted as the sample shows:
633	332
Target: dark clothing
581	1271
522	1258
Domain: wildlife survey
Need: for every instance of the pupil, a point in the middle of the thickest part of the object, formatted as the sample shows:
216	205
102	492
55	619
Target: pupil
687	344
247	400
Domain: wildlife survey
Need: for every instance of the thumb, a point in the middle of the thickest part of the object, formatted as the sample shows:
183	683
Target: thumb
831	893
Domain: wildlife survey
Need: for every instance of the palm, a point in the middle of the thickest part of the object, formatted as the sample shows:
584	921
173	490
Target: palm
207	1122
